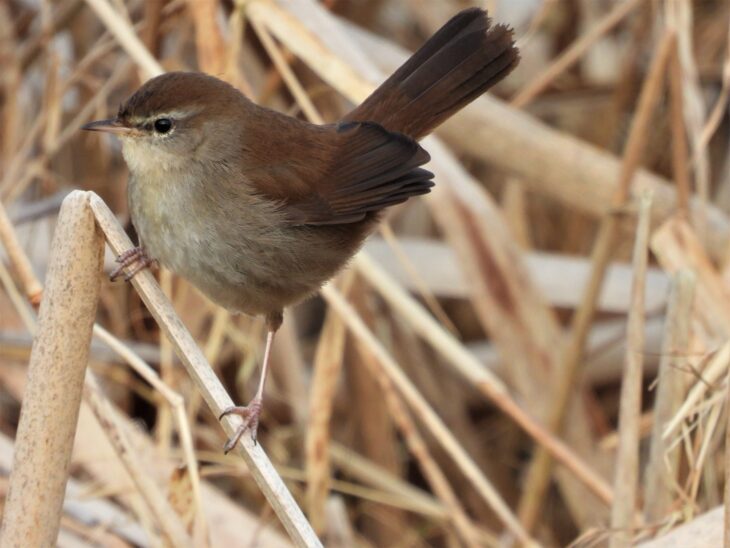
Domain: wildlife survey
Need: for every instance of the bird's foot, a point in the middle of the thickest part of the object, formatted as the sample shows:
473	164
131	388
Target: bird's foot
136	258
251	414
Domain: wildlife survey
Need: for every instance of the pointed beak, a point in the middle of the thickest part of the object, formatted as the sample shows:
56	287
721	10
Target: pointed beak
109	126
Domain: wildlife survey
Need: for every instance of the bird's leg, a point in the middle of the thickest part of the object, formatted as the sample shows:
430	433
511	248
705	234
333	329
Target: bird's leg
252	412
135	257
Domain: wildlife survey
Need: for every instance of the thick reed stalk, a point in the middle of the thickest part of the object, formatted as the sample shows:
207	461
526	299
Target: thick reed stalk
55	379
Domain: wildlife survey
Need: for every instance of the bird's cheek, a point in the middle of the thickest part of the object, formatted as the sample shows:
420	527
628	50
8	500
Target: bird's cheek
133	154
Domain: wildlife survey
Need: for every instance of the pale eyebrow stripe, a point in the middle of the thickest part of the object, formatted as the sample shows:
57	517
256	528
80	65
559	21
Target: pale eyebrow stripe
174	114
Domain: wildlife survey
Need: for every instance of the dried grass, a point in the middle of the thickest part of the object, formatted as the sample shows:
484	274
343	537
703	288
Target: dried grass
424	397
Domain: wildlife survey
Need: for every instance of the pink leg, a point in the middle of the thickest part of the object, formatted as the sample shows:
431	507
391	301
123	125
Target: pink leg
252	412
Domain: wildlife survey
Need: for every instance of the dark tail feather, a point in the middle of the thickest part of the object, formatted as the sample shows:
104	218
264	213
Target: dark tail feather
457	64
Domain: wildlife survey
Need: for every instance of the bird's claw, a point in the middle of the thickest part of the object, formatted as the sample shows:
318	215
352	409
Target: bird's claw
135	257
250	414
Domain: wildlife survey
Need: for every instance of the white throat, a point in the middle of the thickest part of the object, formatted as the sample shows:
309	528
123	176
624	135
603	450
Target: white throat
142	157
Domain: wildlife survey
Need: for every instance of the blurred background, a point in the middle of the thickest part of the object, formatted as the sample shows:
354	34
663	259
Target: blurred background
515	294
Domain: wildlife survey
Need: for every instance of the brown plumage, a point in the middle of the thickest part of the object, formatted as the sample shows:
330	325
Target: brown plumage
259	209
456	65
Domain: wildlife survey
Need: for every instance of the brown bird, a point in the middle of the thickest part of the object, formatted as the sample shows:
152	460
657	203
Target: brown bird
258	209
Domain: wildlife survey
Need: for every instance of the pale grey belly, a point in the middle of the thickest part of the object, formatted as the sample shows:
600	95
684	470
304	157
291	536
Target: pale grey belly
228	256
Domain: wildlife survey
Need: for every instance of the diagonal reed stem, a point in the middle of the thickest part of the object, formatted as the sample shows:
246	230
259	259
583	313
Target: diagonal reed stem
211	388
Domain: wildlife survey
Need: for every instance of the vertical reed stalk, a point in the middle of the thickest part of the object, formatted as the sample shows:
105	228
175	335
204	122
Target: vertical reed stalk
662	469
55	379
625	484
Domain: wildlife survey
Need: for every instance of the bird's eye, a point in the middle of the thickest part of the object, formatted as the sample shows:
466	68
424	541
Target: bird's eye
163	125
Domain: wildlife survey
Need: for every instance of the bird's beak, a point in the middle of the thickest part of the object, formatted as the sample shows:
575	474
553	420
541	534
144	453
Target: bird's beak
109	126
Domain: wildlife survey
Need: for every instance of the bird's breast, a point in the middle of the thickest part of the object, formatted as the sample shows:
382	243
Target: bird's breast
234	247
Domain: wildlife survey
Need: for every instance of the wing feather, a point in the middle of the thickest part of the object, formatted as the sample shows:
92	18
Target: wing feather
354	169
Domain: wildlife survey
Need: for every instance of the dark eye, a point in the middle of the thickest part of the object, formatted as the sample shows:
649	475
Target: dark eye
163	125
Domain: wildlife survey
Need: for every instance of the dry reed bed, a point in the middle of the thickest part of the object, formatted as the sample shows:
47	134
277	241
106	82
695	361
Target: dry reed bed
598	417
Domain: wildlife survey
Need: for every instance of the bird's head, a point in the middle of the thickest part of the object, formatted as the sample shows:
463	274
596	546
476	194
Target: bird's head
174	119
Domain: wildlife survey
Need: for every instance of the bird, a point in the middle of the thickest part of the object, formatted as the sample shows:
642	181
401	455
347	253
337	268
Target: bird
258	209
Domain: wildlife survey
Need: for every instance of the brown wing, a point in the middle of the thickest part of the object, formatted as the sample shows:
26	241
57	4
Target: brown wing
344	173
